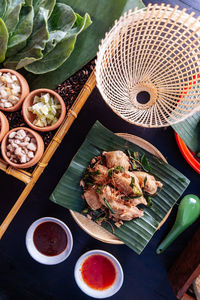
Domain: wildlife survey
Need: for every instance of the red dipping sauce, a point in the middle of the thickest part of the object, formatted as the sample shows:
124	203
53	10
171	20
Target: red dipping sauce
50	238
98	272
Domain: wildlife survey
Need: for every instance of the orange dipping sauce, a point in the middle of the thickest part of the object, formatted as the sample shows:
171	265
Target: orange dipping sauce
98	272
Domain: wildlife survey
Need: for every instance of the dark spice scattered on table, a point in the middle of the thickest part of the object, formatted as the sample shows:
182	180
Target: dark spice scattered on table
68	90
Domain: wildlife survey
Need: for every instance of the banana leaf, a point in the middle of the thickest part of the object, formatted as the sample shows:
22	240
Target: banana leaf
103	13
189	131
136	233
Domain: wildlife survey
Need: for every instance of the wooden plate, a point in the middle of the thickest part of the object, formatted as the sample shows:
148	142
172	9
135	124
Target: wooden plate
97	231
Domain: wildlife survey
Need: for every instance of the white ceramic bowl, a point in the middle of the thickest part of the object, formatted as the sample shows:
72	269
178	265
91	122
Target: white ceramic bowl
99	293
38	256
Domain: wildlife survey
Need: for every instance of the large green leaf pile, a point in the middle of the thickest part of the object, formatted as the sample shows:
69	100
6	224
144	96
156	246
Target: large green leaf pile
103	14
38	35
136	233
53	55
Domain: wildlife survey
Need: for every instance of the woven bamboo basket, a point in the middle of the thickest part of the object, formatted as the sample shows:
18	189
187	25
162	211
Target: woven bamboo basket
145	65
30	179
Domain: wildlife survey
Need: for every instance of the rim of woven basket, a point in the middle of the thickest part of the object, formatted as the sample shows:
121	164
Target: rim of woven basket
194	23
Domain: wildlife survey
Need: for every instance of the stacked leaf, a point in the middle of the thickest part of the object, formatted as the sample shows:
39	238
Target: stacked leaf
136	233
38	35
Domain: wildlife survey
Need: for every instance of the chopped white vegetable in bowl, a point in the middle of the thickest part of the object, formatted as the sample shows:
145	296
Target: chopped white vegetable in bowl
44	110
13	90
47	110
10	90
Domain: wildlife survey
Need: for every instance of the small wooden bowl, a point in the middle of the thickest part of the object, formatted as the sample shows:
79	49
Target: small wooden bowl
24	89
29	117
38	153
4	126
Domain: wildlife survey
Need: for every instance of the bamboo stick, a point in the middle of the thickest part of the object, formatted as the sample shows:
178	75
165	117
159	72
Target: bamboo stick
57	139
17	173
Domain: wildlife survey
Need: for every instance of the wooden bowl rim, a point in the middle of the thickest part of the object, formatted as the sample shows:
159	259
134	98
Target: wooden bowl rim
24	85
4	125
30	98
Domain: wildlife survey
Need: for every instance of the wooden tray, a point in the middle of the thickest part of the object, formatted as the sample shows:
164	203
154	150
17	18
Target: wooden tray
30	179
97	231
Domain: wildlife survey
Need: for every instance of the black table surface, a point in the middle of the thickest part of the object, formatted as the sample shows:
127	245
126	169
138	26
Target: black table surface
145	275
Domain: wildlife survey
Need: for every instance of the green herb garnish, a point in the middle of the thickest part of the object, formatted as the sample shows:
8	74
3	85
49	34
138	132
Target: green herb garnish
129	198
108	206
198	154
136	155
88	176
99	189
110	173
129	154
95	173
132	182
118	169
145	163
145	181
85	210
115	170
149	202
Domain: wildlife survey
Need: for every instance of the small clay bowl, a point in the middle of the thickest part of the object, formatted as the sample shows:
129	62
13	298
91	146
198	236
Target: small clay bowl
24	89
29	117
38	153
4	125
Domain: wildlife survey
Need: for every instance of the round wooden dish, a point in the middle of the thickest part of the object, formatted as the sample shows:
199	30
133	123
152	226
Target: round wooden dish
38	153
29	117
188	154
24	89
4	125
97	231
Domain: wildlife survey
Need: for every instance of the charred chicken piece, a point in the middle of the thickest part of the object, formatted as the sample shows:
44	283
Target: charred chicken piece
149	184
117	158
118	207
92	198
127	183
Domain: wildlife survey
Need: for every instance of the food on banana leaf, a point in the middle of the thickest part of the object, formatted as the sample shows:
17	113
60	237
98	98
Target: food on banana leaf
38	35
47	110
114	187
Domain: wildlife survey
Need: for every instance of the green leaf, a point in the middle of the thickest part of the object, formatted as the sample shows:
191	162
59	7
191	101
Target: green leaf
149	201
19	37
145	164
35	44
11	15
62	19
136	233
108	206
62	50
189	131
132	182
3	7
103	14
46	4
3	40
